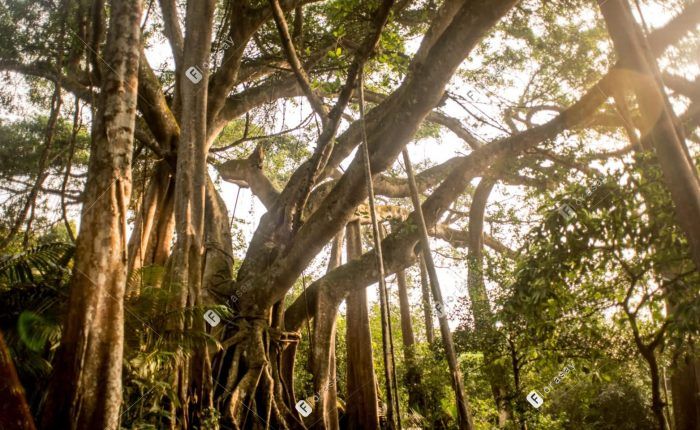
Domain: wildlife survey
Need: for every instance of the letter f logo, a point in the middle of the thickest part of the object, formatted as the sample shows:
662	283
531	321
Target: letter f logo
535	399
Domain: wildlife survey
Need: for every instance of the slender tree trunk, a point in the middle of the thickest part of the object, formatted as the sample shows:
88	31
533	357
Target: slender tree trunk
657	403
147	217
414	386
323	363
463	409
86	388
484	323
427	307
361	398
14	410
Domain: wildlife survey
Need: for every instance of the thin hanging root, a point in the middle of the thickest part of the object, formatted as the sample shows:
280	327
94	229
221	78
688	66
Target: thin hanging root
244	392
267	395
392	392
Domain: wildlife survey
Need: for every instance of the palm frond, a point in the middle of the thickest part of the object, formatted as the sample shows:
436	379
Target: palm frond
34	264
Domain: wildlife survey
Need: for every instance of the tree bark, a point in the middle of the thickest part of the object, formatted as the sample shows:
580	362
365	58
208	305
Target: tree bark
147	224
190	187
685	393
361	398
14	410
414	385
427	307
86	388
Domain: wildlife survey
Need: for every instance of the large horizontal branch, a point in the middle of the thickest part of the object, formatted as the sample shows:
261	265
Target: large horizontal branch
437	117
398	247
47	71
248	173
460	239
396	121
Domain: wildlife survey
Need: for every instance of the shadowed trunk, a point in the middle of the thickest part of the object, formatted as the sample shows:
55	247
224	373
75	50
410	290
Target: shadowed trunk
14	410
86	389
147	225
361	398
484	324
416	397
685	393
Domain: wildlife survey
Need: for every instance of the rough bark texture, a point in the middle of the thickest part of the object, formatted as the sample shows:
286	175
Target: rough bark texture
86	389
190	190
361	398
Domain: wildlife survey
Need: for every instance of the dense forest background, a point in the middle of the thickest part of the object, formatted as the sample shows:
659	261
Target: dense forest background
349	214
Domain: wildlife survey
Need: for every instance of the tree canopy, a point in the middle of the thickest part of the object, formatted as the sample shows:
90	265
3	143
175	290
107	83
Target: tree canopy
344	214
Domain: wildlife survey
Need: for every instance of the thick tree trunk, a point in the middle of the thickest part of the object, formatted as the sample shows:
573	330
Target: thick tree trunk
685	393
659	125
86	389
484	324
190	188
361	398
14	410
